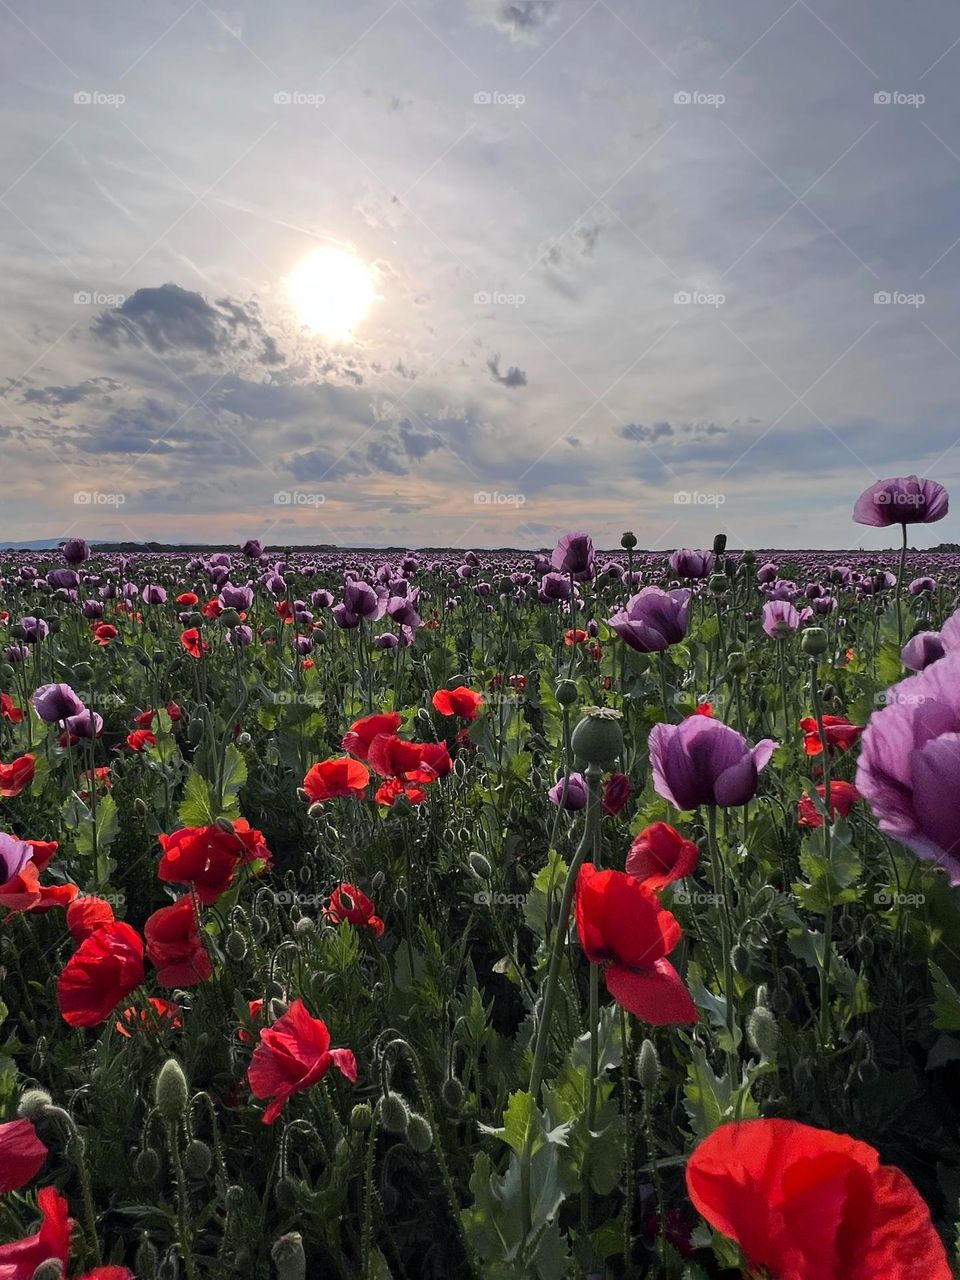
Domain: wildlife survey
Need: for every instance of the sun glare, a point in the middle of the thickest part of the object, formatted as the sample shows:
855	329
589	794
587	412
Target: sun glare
331	291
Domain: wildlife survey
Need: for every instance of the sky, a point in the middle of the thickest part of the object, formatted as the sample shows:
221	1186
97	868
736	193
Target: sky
678	268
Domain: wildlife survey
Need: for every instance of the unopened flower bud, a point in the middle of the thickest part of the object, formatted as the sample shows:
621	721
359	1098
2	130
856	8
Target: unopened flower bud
197	1159
566	693
763	1033
33	1104
736	663
379	880
146	1260
452	1093
394	1112
361	1117
316	810
289	1258
648	1067
276	1009
147	1165
400	898
740	959
235	946
234	1198
51	1269
286	1193
718	584
419	1134
480	866
226	826
306	924
171	1092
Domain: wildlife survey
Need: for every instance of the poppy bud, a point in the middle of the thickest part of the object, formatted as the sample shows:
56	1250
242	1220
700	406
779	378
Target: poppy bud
197	1159
566	693
82	672
234	1199
194	730
306	924
394	1113
598	738
867	947
171	1093
361	1117
146	1259
867	1071
400	898
480	866
628	540
195	620
718	584
286	1193
230	618
401	808
419	1134
225	825
244	739
719	543
763	1032
147	1165
379	880
648	1067
452	1093
235	946
779	1001
813	642
423	715
736	663
740	959
289	1258
847	926
748	557
34	1103
276	1009
51	1269
140	806
269	634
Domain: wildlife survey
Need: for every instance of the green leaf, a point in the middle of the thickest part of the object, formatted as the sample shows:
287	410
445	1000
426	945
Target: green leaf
233	777
523	1122
196	808
946	1001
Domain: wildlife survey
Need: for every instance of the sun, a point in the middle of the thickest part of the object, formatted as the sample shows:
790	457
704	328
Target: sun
331	291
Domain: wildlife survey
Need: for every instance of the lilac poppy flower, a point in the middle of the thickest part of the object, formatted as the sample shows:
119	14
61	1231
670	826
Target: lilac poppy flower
362	600
67	578
554	587
240	636
153	594
75	551
321	599
909	766
692	564
344	618
14	856
781	620
704	761
925	647
56	702
767	572
252	549
234	597
386	640
88	724
92	609
652	620
901	500
577	793
920	585
574	555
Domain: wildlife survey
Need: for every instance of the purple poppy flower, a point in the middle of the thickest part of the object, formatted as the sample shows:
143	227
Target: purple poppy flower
67	578
56	702
321	599
240	636
92	609
781	620
925	647
824	604
233	597
902	500
153	594
692	564
344	618
909	766
386	640
577	793
871	584
704	761
652	620
553	588
14	856
574	555
16	653
767	572
75	551
88	724
252	549
920	585
364	601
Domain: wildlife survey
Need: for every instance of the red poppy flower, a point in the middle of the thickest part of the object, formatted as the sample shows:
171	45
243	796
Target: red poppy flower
251	844
461	702
105	967
339	776
393	788
349	903
103	633
839	731
617	790
294	1054
212	609
435	763
175	947
145	719
43	851
87	914
361	733
193	643
659	855
393	757
159	1015
204	857
20	1259
808	1204
9	709
253	1009
570	638
109	1273
17	775
24	892
843	796
703	709
21	1155
174	712
141	738
187	599
621	924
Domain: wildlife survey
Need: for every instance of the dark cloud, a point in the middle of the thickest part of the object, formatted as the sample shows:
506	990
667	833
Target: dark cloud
521	20
171	319
514	377
643	434
58	396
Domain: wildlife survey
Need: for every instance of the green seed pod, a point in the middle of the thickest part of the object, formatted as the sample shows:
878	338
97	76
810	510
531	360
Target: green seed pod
34	1103
814	642
147	1260
197	1159
740	959
226	826
82	672
195	620
648	1067
361	1117
147	1165
480	866
274	991
235	946
763	1033
419	1134
598	738
171	1092
259	928
748	557
229	618
566	693
628	540
762	999
718	584
170	1267
719	543
394	1112
453	1094
289	1258
8	675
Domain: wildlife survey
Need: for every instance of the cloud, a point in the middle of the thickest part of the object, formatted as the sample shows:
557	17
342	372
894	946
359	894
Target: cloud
514	377
172	319
638	432
521	20
56	397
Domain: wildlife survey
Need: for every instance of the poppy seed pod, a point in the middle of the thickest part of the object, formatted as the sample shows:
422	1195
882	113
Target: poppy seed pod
235	946
628	540
171	1092
813	642
566	693
719	543
598	738
288	1257
736	663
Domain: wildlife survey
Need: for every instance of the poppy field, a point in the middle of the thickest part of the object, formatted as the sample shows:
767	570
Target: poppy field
491	915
